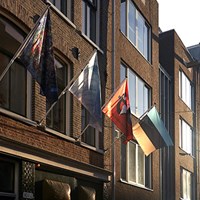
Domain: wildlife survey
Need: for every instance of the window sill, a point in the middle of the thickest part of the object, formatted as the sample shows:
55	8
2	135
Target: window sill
62	135
61	14
185	153
148	61
136	185
68	138
17	117
92	43
91	147
189	109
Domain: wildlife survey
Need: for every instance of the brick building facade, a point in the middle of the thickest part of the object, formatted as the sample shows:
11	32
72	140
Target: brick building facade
57	156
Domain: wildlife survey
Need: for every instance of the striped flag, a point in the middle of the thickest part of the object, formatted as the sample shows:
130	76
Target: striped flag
87	89
37	56
151	133
118	110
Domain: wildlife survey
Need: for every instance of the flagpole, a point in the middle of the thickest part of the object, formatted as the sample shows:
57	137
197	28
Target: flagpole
66	88
23	45
113	143
82	132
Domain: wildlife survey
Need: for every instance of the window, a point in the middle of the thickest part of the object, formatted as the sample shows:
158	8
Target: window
90	135
15	87
139	92
59	117
186	185
64	6
135	166
186	137
165	97
9	180
185	89
135	27
91	19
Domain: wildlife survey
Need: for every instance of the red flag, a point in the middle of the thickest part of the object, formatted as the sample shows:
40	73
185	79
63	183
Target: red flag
118	110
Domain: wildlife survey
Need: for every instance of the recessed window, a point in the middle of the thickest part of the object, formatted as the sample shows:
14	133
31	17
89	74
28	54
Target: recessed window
139	92
90	135
59	117
135	27
186	137
91	19
64	6
185	89
135	166
15	87
186	185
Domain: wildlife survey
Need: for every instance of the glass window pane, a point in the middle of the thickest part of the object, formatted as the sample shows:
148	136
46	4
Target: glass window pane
13	85
84	18
132	23
4	84
88	136
140	98
122	72
7	177
93	25
146	42
132	91
141	168
140	38
132	162
123	16
89	20
56	119
17	89
123	160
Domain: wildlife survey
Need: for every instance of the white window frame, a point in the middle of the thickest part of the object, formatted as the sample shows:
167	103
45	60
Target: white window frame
186	183
87	23
185	89
186	136
134	94
137	174
16	180
28	84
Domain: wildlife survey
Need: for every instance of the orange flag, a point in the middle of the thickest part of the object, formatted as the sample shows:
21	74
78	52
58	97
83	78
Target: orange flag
118	110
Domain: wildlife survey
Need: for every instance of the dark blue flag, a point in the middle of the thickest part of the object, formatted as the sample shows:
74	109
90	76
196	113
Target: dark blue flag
37	56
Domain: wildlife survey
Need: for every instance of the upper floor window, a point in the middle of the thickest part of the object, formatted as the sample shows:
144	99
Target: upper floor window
185	89
186	137
135	27
59	117
186	185
91	19
135	166
139	92
64	6
15	87
90	135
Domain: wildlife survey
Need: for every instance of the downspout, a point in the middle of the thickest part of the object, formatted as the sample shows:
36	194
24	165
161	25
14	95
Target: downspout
113	86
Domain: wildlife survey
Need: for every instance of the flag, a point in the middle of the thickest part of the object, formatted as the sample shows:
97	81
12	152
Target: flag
151	133
118	110
37	56
87	89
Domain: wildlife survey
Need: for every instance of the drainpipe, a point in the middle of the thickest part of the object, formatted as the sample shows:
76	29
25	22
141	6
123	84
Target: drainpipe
113	86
